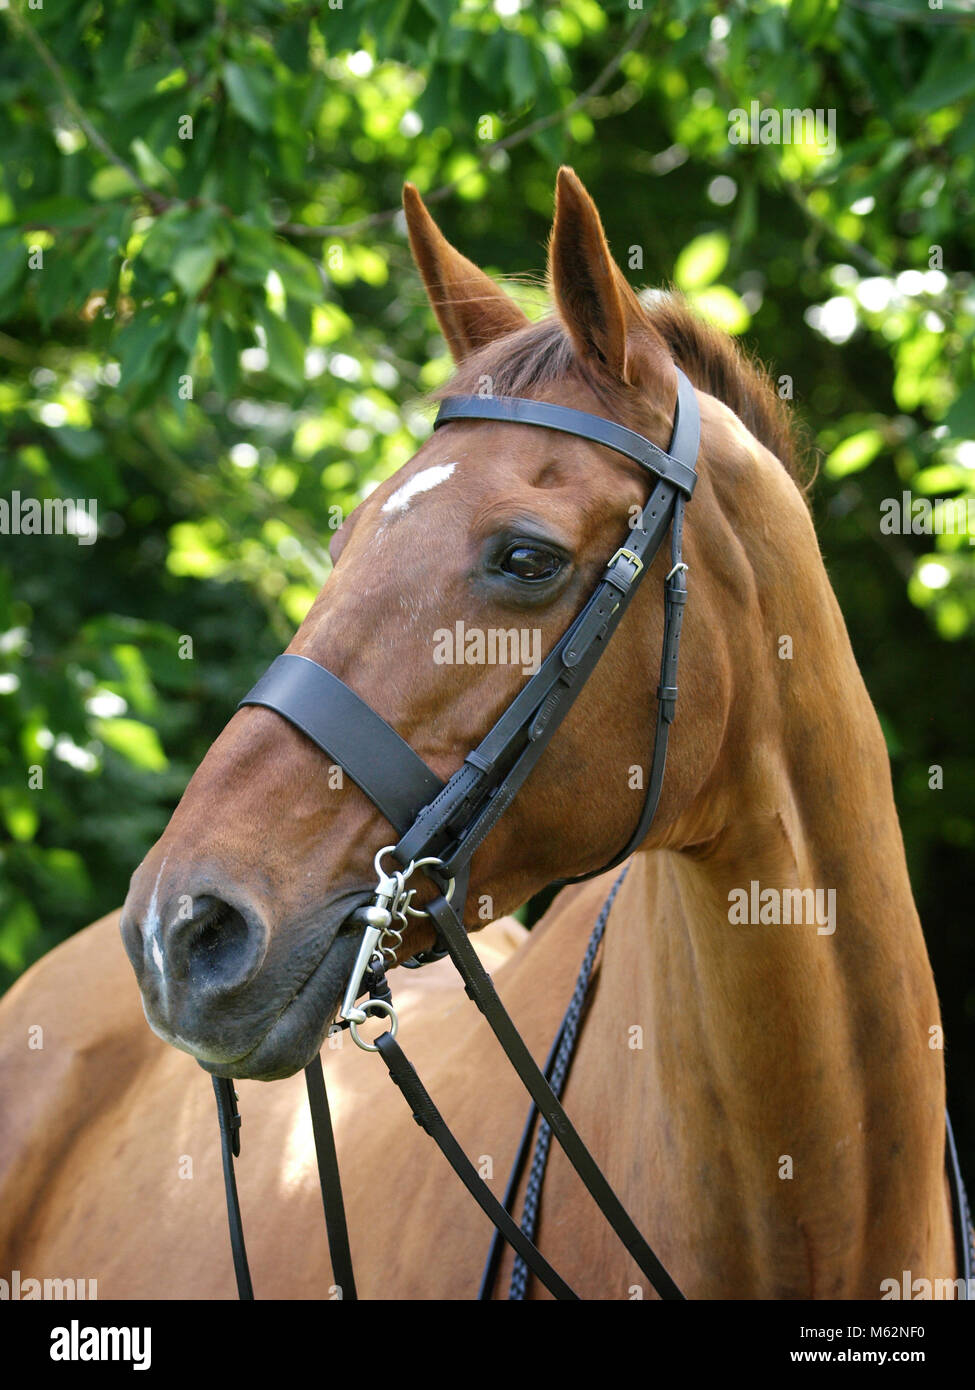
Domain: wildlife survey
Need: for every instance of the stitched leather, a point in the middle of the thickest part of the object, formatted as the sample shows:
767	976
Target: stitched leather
578	422
341	723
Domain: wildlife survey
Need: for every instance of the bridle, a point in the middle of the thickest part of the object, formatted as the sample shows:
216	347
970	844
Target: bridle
442	824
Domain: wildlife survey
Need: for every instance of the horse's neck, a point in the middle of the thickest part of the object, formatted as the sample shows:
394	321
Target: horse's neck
784	1081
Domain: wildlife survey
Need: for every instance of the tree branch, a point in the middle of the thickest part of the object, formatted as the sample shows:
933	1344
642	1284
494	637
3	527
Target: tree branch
509	142
94	136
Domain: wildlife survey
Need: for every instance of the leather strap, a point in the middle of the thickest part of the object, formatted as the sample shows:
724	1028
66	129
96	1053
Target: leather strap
475	798
229	1118
428	1117
335	718
480	988
518	411
555	1071
675	597
330	1181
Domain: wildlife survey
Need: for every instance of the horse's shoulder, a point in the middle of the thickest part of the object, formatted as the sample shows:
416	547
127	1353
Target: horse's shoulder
69	1027
81	990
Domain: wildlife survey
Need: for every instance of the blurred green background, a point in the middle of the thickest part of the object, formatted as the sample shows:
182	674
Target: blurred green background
210	322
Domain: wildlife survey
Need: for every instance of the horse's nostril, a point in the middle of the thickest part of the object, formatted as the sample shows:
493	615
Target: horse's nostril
219	947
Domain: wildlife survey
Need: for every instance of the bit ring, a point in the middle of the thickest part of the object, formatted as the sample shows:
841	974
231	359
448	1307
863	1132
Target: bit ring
367	1007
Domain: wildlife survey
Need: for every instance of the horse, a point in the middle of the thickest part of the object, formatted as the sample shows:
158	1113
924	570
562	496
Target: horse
758	1085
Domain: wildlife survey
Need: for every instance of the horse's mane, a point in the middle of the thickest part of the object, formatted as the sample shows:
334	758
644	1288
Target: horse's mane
542	353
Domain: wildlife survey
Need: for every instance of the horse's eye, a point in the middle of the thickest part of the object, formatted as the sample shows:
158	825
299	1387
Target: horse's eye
531	562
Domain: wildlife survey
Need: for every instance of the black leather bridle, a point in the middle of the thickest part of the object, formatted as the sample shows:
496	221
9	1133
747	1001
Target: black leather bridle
441	826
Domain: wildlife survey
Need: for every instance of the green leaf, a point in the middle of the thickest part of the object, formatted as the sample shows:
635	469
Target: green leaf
255	252
56	284
298	273
702	261
960	419
164	237
489	58
440	10
190	324
111	182
963	137
138	743
139	346
81	444
285	350
13	261
60	212
194	266
518	70
941	88
291	45
854	453
433	105
226	357
19	927
150	167
551	143
20	813
250	91
133	89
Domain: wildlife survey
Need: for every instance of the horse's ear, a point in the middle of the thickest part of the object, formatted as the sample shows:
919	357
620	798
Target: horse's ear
470	308
599	309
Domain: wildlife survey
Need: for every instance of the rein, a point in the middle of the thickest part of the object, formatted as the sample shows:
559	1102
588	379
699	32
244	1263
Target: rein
441	825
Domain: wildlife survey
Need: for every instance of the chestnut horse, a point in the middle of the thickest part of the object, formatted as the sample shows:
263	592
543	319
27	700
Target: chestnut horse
761	1093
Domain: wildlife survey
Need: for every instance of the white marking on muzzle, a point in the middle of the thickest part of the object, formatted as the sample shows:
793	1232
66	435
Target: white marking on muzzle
152	927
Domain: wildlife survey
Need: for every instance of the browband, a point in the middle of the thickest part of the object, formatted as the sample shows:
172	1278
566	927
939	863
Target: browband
561	417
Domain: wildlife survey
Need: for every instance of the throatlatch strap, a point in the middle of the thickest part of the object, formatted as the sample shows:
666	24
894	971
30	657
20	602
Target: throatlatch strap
342	725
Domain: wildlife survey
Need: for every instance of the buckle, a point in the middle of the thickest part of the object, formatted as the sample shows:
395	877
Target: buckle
630	556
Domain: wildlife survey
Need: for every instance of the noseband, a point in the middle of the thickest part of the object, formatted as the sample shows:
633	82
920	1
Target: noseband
441	825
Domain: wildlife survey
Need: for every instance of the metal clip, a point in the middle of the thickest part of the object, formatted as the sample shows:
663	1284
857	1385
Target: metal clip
379	918
393	900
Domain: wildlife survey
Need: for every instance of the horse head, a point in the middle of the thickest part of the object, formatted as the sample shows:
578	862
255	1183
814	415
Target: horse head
240	922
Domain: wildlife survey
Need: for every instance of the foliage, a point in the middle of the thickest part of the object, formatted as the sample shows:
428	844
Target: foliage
210	324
